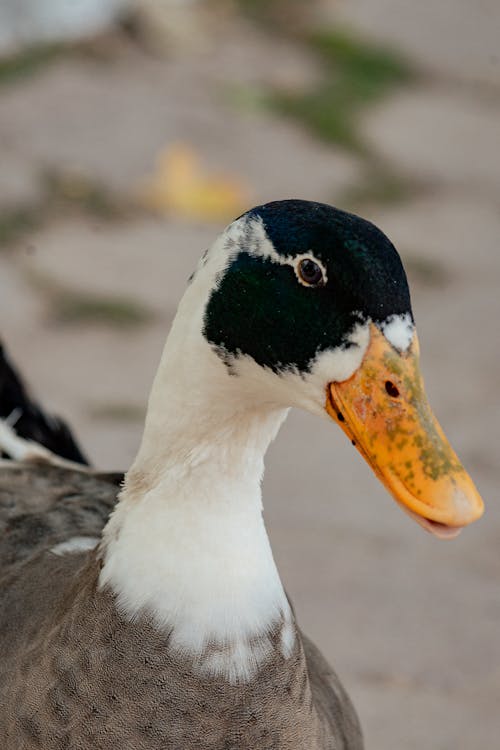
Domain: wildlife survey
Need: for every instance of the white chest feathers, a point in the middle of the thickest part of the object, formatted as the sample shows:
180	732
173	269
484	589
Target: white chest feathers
193	553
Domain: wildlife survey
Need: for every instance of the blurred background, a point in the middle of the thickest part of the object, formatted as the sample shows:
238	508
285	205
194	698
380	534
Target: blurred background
131	132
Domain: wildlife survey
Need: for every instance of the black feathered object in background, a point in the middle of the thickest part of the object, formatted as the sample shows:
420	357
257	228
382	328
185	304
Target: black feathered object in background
29	421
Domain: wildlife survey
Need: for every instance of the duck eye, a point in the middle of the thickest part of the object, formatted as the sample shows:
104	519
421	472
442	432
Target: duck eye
310	273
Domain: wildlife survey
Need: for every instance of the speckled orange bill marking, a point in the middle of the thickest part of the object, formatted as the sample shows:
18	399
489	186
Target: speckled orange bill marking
383	409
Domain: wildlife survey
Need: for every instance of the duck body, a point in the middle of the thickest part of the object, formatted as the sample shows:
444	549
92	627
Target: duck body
159	621
77	674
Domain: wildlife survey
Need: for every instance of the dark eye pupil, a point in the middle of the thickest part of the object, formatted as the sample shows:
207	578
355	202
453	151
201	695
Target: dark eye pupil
310	272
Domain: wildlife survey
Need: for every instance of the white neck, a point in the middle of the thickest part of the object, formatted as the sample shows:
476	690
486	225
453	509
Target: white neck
187	542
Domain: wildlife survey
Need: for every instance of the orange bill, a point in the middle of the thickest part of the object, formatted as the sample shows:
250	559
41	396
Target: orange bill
383	409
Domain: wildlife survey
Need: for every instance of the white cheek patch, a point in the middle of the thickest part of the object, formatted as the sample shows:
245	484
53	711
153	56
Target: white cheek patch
303	390
399	330
337	365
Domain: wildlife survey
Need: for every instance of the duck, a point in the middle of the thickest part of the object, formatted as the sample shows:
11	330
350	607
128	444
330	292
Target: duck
18	407
152	615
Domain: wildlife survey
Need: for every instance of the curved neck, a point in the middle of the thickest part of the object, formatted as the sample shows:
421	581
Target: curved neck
187	541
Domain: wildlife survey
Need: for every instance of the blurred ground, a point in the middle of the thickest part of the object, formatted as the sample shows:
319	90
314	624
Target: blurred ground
90	279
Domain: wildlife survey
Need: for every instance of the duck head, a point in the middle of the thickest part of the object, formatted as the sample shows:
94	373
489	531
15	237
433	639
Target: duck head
309	306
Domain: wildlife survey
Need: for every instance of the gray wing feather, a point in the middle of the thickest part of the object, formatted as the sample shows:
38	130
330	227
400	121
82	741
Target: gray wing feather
42	505
331	700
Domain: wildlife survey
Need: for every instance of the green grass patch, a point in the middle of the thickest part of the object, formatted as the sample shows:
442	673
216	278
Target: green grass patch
16	223
118	412
246	97
37	57
369	69
72	307
64	193
67	306
29	61
276	14
356	73
68	190
380	186
326	113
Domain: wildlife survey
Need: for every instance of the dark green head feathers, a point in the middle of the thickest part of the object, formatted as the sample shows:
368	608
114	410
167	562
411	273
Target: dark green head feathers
261	306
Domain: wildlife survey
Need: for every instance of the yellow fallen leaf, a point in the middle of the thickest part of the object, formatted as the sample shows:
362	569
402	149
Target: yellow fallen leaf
181	186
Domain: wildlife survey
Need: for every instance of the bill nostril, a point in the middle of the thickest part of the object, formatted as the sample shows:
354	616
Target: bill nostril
391	389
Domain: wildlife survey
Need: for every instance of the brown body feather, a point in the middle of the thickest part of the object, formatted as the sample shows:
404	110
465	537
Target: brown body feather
75	675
